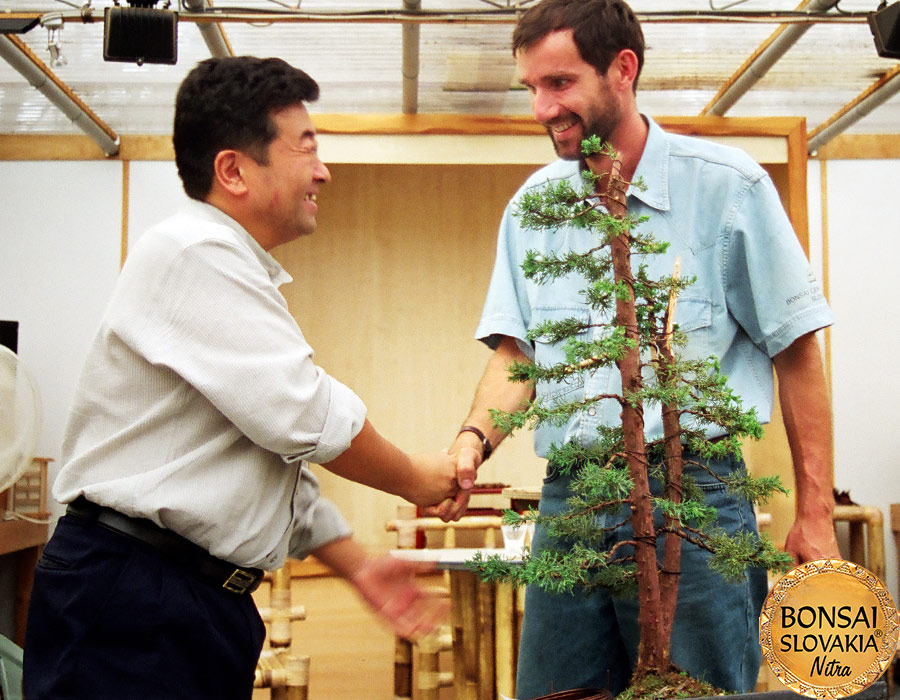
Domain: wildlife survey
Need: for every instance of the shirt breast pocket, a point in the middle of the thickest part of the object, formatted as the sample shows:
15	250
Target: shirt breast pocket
693	315
547	353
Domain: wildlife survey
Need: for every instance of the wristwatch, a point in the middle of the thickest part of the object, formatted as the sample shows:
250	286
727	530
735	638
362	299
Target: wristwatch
487	448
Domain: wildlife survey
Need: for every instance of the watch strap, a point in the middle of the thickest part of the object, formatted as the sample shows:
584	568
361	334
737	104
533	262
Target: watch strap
487	448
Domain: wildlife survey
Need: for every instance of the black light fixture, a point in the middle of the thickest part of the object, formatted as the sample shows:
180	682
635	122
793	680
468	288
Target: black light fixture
140	33
885	26
17	25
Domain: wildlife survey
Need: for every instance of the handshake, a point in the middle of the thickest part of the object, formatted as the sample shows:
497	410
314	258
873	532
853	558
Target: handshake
442	481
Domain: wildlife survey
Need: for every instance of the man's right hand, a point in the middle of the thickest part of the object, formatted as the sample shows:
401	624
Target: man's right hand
453	506
494	391
436	479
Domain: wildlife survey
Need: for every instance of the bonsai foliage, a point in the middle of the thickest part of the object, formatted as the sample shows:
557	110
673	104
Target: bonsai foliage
636	333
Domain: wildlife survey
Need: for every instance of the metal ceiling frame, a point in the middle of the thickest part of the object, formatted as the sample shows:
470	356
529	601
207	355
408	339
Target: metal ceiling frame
768	54
507	15
212	33
877	93
410	60
17	53
759	63
209	20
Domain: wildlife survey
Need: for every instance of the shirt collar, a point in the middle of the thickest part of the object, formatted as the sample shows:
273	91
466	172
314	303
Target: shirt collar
653	169
273	268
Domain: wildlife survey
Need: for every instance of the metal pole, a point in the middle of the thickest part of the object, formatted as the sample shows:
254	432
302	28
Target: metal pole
212	33
15	52
411	60
765	57
878	93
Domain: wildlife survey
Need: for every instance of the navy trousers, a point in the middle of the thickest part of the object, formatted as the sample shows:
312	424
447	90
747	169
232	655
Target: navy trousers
112	619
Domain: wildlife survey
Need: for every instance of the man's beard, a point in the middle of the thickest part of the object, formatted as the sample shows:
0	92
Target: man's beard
601	125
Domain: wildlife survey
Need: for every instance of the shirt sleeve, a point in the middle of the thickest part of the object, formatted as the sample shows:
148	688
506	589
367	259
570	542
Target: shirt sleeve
316	525
771	289
506	311
213	316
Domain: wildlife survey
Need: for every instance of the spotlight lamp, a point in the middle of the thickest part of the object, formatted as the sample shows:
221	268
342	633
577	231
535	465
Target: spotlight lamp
885	26
140	33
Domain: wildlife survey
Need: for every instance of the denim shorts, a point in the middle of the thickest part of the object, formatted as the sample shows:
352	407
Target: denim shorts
577	641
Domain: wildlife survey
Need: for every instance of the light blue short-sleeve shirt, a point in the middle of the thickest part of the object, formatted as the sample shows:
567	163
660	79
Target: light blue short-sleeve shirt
755	291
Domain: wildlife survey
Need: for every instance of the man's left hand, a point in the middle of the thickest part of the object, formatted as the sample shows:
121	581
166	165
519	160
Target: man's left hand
810	539
388	585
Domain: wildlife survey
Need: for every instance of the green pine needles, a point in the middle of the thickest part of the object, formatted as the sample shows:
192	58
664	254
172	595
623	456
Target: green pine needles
623	477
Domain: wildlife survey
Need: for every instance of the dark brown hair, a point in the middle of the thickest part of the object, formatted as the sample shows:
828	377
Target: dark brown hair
601	29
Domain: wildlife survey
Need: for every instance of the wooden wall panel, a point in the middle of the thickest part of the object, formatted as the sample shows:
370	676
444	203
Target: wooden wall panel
389	291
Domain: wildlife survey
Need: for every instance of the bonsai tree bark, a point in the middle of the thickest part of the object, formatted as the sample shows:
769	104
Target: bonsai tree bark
644	343
653	651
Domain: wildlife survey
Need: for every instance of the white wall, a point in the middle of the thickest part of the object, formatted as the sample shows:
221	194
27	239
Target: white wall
59	257
863	229
155	192
60	249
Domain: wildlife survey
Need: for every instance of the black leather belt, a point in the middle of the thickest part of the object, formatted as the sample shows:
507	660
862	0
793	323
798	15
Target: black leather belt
236	579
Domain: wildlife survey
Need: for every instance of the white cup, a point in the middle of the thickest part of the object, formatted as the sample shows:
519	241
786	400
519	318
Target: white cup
514	540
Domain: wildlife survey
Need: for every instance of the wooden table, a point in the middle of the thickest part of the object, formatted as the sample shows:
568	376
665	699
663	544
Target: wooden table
25	538
484	619
522	497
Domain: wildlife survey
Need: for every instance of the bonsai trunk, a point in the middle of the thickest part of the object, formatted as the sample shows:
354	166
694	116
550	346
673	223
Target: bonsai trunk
671	565
653	648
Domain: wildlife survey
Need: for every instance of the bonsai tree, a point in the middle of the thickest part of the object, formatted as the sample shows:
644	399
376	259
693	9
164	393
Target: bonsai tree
642	340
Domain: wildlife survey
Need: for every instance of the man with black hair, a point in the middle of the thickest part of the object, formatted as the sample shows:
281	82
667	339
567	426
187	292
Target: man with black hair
185	455
755	304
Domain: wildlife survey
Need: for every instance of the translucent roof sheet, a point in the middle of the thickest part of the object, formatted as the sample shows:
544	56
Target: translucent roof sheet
464	67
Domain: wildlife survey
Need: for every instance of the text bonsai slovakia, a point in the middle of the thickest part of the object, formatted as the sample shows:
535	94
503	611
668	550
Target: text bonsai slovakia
810	629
